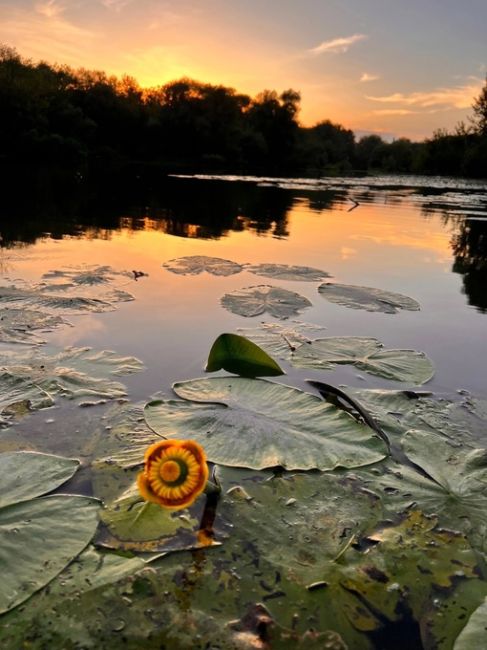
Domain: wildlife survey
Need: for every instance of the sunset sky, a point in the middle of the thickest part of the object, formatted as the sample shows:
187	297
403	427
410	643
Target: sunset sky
396	67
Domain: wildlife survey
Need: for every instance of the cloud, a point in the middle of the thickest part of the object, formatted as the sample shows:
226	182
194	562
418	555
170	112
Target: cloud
455	97
369	77
337	45
49	8
394	111
45	31
116	5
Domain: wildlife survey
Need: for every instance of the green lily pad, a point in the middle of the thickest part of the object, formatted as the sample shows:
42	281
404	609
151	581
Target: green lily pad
288	272
474	634
255	423
367	298
73	372
26	475
196	264
238	355
39	536
453	486
253	301
367	355
282	340
86	576
21	325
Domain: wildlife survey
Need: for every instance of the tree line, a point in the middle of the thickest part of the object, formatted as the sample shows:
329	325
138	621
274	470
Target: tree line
88	122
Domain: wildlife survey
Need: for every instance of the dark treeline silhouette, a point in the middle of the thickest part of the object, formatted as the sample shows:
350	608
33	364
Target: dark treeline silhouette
89	124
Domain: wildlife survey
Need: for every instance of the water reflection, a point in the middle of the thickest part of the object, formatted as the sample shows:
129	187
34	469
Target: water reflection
469	246
211	209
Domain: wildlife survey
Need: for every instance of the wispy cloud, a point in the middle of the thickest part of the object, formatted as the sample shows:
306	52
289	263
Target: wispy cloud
46	30
116	5
394	111
337	45
49	8
455	97
369	77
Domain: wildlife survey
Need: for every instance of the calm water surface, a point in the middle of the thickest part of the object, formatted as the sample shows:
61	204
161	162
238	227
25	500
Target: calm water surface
419	237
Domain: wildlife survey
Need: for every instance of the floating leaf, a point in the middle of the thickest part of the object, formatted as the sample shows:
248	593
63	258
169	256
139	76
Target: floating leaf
45	297
256	423
26	475
240	356
86	275
453	488
367	298
196	264
367	355
287	272
281	340
39	536
73	372
474	634
18	397
20	325
253	301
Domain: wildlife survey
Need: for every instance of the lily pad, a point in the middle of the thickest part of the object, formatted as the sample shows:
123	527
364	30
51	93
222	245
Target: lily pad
26	475
474	634
367	355
196	264
86	275
20	325
367	298
72	373
255	423
38	536
453	485
253	301
19	396
60	298
282	340
238	355
288	272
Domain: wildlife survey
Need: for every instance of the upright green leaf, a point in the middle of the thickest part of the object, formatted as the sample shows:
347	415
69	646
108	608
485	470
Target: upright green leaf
240	356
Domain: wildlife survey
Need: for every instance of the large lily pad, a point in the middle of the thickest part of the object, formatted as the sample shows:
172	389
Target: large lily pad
72	373
367	355
453	485
238	355
21	325
26	475
255	423
288	272
38	536
367	298
253	301
196	264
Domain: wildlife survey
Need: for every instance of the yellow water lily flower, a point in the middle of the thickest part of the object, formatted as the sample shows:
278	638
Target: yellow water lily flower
175	473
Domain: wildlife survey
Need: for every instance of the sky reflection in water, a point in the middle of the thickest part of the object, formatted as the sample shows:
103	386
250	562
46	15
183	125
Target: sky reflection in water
428	244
